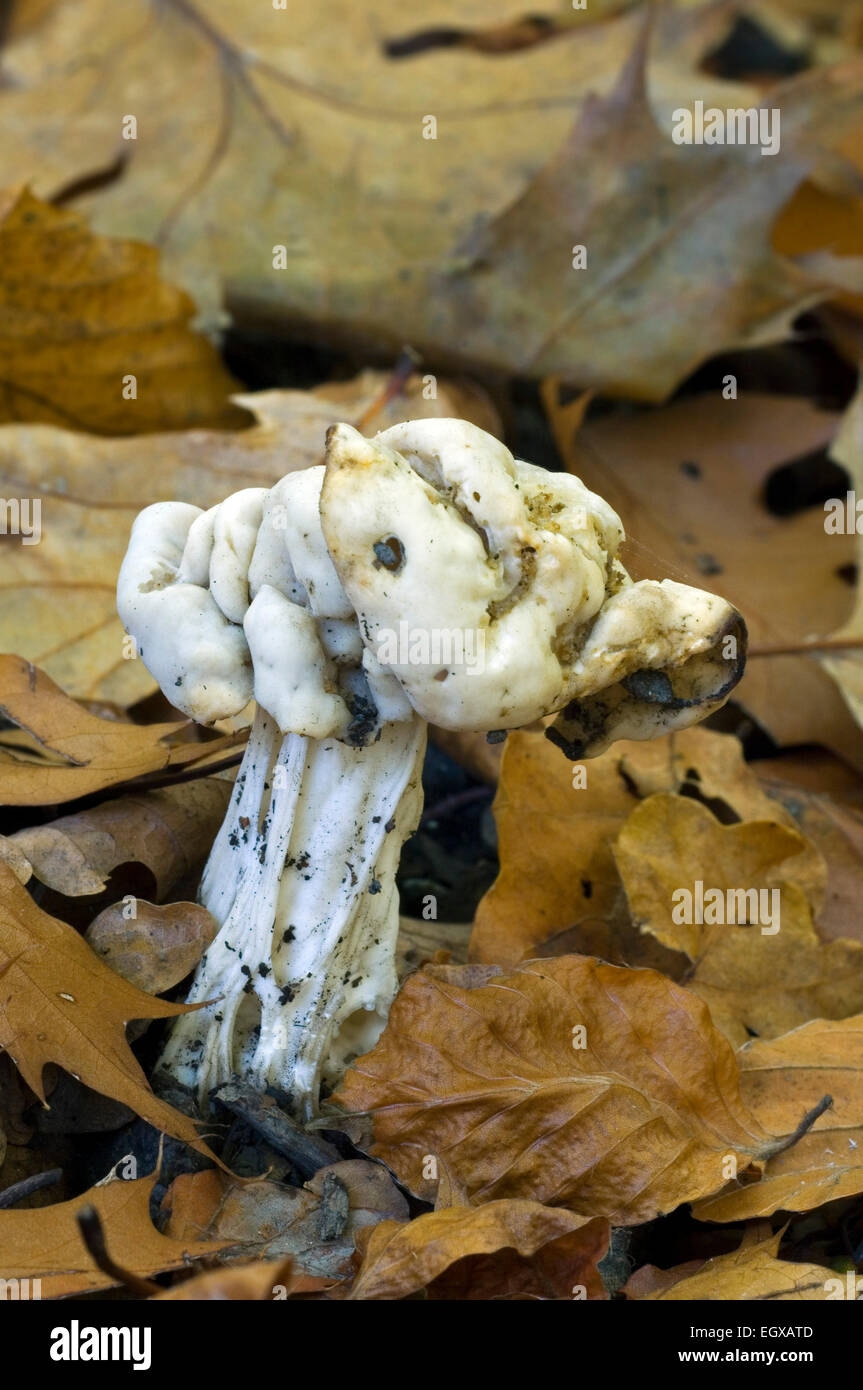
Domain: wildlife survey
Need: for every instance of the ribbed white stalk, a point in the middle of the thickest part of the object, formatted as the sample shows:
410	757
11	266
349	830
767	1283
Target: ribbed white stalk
302	879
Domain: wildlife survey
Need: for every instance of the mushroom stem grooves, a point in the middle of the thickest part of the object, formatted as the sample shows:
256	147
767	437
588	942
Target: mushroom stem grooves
302	879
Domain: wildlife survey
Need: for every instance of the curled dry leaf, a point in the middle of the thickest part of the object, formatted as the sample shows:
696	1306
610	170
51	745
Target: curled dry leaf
89	753
509	1249
87	317
782	1081
46	1244
825	799
583	1085
169	831
758	961
559	887
155	949
59	1003
752	1273
272	1220
65	615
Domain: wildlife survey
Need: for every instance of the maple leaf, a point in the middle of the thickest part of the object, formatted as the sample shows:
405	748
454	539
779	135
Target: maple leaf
510	1249
45	1243
59	1003
783	1080
65	615
751	1273
754	981
84	318
584	1085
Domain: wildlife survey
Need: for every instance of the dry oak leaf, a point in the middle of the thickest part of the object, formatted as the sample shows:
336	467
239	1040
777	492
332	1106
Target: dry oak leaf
751	1273
559	888
782	1081
81	753
374	224
508	1249
64	616
699	496
680	260
366	211
583	1085
168	832
757	960
45	1243
59	1003
86	320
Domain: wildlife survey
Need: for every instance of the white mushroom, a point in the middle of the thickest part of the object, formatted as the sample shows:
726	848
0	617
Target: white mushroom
422	575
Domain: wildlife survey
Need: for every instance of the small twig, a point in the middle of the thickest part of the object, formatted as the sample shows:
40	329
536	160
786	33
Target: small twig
805	1124
261	1113
407	362
821	644
27	1186
93	1236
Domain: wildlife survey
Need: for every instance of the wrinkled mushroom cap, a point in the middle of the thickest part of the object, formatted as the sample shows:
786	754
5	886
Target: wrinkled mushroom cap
508	577
425	570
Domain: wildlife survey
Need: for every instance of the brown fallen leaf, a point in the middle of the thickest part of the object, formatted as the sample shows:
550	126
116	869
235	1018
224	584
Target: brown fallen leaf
155	949
92	338
825	798
358	223
368	243
557	870
757	960
168	831
698	496
846	667
267	1280
682	276
781	1081
583	1085
59	1003
420	941
90	490
510	1249
46	1243
559	888
83	753
271	1220
751	1273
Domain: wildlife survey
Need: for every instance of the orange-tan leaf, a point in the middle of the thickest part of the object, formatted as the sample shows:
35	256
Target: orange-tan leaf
571	1082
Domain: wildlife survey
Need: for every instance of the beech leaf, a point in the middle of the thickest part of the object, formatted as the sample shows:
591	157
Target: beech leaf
584	1085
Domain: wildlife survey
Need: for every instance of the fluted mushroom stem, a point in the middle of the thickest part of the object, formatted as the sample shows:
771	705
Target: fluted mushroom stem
302	879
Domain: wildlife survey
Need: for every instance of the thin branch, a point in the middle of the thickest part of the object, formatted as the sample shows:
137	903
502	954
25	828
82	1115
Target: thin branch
804	1126
93	1236
27	1186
